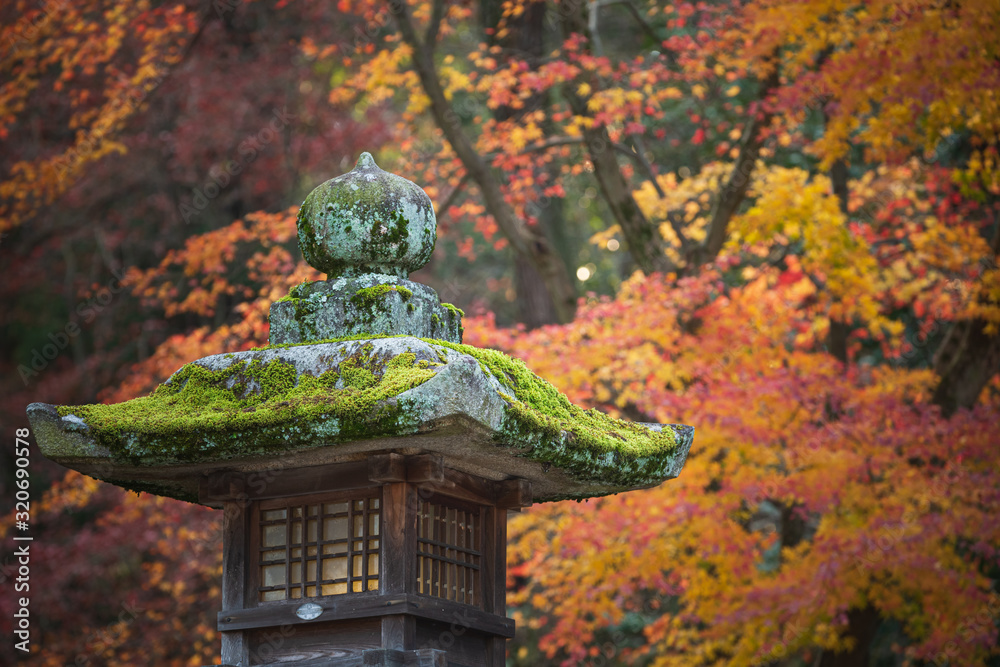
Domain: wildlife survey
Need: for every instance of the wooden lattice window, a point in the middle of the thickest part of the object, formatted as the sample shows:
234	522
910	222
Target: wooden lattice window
327	547
449	550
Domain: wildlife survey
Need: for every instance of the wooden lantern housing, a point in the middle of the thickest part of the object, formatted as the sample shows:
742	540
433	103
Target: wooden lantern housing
404	557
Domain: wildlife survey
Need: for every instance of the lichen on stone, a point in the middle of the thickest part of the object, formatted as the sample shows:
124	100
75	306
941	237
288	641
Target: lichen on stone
366	221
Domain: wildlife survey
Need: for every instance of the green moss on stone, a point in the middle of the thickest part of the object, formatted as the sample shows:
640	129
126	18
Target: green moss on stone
269	400
537	408
356	376
252	408
455	312
369	297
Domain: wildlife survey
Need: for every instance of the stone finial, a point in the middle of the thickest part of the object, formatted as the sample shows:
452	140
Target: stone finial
367	221
366	230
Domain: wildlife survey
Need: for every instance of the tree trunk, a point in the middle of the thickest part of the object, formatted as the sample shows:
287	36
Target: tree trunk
967	359
836	339
526	241
642	239
861	627
534	303
525	37
735	191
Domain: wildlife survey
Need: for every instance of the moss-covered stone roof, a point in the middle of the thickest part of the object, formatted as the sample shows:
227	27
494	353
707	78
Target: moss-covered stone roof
480	408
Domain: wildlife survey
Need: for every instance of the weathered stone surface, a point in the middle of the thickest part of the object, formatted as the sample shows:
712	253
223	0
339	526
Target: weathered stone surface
375	304
367	221
287	407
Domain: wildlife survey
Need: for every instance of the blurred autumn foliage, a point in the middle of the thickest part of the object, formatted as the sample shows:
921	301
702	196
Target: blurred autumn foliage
776	220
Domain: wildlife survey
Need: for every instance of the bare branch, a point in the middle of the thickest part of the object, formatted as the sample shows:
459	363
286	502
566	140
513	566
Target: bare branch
673	217
452	196
640	153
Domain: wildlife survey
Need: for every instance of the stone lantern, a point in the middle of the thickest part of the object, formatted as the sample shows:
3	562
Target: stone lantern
365	461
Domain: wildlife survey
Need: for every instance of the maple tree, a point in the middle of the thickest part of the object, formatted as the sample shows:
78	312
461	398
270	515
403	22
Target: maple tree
807	519
809	189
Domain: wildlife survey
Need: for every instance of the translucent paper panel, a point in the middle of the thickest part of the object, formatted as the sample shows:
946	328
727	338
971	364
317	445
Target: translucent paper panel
335	529
337	589
335	568
274	536
337	549
278	554
331	549
274	575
